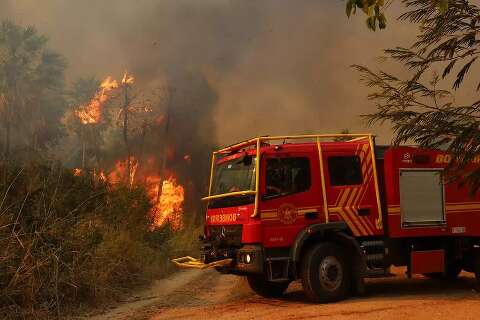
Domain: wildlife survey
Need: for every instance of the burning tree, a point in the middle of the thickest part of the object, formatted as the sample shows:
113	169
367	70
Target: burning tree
135	118
92	112
86	122
163	139
127	82
169	206
130	124
166	195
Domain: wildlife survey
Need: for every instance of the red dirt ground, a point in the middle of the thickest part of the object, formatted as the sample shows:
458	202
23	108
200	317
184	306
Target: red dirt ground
209	295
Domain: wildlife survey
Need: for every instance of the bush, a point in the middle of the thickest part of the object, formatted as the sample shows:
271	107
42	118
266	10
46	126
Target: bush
68	242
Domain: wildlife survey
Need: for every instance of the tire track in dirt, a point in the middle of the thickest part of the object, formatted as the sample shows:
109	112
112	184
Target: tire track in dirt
155	295
206	292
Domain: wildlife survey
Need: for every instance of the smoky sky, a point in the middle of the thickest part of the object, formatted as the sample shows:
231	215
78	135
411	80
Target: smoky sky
274	66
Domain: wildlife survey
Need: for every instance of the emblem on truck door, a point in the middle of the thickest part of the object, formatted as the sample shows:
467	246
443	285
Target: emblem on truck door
287	213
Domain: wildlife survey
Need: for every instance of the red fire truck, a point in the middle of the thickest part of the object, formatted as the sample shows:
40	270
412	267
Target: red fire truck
332	210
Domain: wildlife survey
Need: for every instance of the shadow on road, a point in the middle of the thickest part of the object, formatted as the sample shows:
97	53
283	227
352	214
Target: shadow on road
402	288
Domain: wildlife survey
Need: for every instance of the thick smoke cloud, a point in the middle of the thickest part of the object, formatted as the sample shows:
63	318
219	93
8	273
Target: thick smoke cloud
273	66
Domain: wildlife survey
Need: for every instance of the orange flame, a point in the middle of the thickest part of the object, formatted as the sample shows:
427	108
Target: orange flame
77	172
102	176
169	207
92	112
127	78
119	173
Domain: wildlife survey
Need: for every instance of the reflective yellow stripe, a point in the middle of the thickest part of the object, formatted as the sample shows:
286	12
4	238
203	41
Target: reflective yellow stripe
237	193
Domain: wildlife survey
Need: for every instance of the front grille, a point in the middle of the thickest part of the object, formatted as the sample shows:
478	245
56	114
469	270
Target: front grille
227	235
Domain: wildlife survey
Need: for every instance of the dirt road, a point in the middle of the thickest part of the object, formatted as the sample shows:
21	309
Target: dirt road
209	295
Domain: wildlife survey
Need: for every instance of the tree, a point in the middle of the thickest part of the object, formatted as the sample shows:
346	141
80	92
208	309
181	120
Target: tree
47	102
374	9
419	107
127	82
31	87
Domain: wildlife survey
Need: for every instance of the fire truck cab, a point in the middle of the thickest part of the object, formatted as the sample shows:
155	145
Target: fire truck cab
332	210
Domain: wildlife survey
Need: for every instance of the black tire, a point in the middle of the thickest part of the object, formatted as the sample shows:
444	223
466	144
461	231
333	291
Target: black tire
265	288
325	273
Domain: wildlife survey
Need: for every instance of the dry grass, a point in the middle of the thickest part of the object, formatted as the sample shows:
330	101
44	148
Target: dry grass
71	242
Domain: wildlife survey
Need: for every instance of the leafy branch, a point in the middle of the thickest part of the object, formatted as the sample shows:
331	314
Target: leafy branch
375	10
419	110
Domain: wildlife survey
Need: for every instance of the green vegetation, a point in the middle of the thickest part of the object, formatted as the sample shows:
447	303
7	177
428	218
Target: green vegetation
71	241
375	9
372	8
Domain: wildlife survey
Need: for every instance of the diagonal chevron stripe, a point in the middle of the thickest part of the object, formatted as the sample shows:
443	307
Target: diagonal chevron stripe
367	219
349	222
349	210
358	224
359	198
353	203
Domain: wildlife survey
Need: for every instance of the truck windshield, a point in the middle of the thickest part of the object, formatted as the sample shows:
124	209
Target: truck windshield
235	175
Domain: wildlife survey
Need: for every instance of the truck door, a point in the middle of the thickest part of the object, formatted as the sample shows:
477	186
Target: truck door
290	199
351	186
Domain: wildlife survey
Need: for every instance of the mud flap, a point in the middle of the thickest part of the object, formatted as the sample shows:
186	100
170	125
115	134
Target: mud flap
190	262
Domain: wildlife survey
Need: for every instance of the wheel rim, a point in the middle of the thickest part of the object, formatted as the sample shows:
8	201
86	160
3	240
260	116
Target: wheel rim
330	273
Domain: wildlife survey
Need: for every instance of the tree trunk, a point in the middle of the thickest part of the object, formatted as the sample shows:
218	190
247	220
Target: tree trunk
125	134
141	152
163	165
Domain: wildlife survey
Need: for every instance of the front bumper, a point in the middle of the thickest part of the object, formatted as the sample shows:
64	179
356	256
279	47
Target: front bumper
222	248
247	259
190	262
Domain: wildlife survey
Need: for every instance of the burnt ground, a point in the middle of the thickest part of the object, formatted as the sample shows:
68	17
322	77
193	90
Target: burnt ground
209	295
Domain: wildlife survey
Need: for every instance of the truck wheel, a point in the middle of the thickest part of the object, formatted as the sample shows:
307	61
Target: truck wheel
265	288
325	275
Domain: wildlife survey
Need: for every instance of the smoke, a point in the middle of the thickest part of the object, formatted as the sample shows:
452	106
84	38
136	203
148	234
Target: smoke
274	66
235	68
